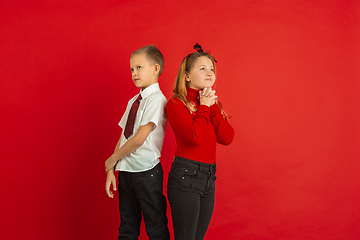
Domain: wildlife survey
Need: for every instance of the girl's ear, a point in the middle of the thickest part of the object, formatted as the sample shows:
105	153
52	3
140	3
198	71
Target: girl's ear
187	77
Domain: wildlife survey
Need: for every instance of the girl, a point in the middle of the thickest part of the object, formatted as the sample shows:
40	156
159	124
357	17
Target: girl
198	122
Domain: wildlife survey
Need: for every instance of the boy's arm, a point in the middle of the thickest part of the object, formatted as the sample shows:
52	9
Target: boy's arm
118	143
130	146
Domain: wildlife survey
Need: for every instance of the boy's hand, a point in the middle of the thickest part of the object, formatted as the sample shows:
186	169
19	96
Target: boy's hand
110	180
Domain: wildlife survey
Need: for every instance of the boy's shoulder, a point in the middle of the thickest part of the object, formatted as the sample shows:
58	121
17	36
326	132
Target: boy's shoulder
156	98
154	93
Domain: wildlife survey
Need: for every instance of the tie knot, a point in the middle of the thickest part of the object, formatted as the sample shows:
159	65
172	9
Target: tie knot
138	98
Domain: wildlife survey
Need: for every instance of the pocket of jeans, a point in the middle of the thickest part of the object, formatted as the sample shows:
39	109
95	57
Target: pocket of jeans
189	173
153	173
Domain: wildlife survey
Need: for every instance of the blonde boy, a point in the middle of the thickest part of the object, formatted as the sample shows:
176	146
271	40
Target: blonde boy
137	152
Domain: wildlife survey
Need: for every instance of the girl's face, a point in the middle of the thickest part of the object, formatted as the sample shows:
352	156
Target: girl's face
202	74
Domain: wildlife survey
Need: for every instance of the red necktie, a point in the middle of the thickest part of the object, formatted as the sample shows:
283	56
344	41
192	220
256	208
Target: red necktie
129	128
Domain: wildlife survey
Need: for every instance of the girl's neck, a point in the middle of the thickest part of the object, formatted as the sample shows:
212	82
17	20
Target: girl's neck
192	94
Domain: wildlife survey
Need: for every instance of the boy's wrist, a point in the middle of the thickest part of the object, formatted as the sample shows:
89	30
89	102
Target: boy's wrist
109	164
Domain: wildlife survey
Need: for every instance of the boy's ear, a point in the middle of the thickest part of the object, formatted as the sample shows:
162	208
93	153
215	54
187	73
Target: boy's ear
156	68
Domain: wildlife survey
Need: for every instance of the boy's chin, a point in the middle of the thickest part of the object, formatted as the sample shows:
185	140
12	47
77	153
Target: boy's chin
142	86
138	85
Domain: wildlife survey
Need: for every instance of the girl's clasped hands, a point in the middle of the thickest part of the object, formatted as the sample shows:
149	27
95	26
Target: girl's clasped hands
207	96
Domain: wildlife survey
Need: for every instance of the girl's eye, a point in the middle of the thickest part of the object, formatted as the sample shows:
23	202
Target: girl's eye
212	70
202	68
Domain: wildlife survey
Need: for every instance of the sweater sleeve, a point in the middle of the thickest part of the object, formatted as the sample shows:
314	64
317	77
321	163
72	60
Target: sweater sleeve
224	131
184	125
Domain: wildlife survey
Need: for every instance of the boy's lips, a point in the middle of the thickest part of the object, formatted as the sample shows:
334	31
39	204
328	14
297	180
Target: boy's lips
136	79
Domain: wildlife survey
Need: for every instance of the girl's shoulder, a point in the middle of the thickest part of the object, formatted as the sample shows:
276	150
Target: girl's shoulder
175	102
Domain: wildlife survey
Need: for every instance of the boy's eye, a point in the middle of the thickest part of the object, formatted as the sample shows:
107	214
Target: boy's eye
138	67
212	70
202	68
131	69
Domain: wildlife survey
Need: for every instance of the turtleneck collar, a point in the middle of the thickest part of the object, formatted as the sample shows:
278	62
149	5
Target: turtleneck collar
192	94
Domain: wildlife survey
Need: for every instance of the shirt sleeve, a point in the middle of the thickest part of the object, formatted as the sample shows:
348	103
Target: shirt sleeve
224	131
190	129
154	110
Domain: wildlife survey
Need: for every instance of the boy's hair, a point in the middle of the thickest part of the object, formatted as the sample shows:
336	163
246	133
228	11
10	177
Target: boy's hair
153	54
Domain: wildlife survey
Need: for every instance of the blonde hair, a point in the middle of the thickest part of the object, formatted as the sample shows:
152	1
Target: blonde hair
179	91
153	54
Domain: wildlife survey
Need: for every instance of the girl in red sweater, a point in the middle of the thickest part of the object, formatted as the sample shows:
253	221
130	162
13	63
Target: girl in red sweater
199	123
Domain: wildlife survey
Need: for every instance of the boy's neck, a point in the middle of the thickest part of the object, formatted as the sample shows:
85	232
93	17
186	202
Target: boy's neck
143	88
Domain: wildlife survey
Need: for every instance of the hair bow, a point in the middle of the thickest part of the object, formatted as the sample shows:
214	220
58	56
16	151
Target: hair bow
199	49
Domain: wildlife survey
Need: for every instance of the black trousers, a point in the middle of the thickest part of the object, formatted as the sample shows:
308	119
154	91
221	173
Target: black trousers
142	192
191	194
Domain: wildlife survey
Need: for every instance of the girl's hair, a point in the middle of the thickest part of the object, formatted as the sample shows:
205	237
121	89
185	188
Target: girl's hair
186	66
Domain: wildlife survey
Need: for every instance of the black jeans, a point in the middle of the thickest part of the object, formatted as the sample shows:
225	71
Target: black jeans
142	192
191	193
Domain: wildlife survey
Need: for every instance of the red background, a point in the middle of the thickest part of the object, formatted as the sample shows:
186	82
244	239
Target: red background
288	74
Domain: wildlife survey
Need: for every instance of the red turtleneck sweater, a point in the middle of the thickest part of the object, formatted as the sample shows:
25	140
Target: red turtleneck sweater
196	134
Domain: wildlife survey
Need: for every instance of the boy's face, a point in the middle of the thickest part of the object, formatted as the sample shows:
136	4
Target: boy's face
143	72
202	74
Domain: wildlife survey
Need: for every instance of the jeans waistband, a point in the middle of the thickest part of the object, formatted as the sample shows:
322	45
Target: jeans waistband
195	164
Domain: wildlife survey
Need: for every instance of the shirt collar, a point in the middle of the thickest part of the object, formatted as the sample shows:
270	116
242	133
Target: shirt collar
149	90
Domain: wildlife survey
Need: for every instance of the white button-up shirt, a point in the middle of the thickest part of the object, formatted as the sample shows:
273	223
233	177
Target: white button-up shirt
151	109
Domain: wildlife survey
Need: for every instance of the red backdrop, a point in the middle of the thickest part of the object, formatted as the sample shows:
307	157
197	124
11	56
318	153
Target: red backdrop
287	74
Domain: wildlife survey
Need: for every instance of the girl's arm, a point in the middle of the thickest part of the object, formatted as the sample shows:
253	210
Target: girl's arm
184	125
224	131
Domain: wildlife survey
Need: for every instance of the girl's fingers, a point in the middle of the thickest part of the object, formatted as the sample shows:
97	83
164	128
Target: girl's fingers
212	93
204	91
207	91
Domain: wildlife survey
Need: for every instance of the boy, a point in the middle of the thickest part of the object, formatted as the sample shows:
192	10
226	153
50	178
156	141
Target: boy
137	152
